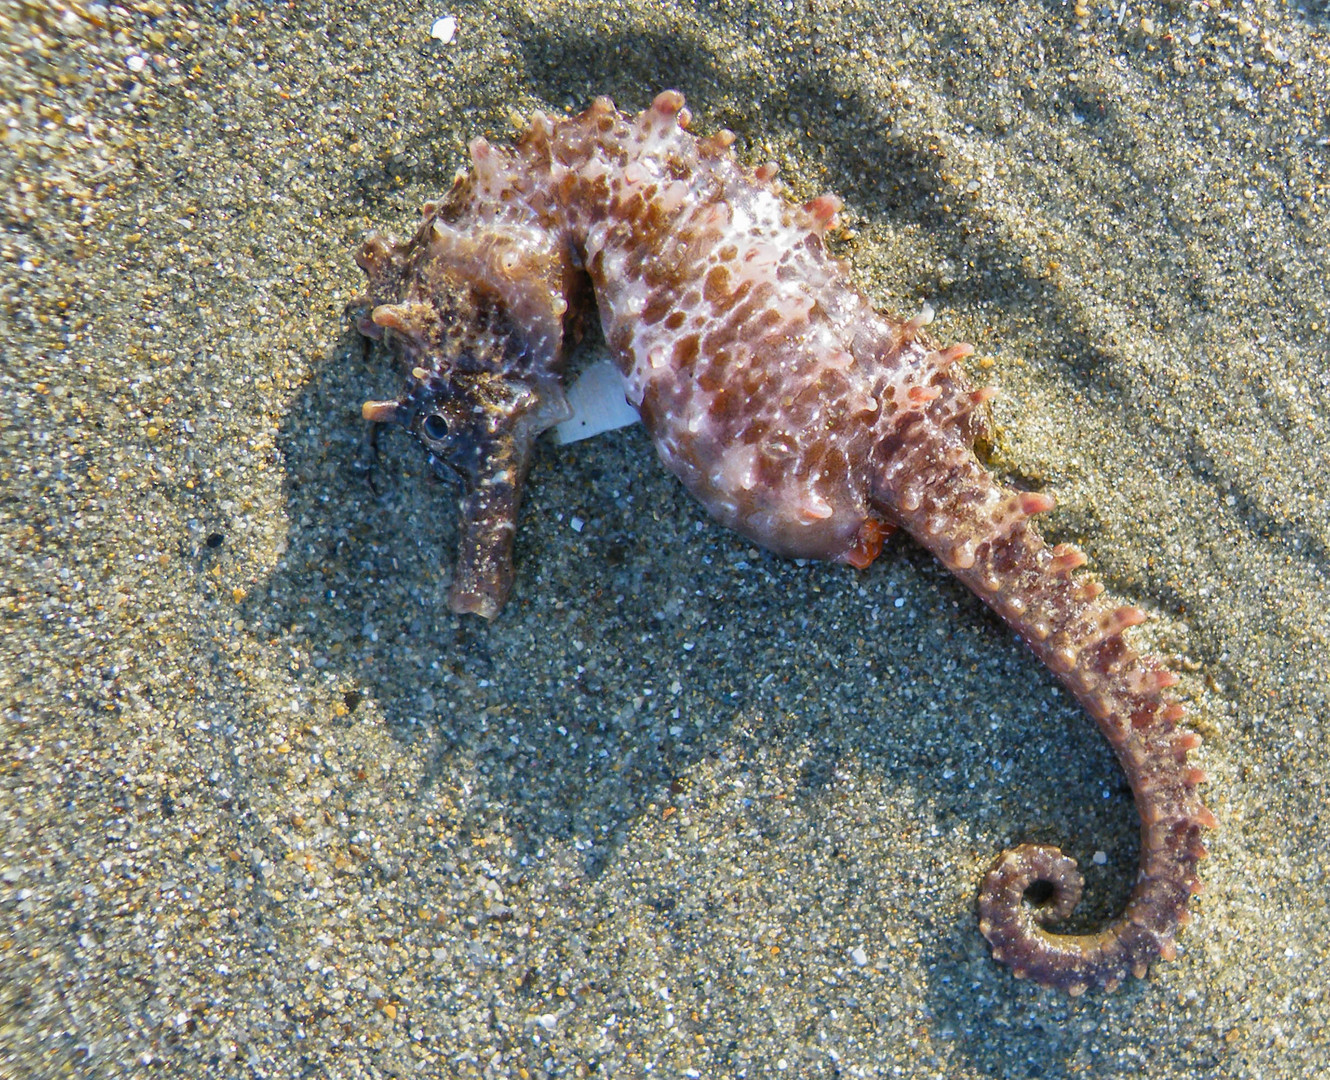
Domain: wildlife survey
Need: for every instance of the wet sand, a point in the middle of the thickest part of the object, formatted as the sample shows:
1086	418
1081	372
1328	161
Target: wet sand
685	809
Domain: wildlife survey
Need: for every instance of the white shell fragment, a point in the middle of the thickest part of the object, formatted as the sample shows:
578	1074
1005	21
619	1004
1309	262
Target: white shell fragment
444	29
598	403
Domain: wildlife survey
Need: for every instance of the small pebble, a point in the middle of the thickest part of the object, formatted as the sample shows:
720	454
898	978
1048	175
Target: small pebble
444	30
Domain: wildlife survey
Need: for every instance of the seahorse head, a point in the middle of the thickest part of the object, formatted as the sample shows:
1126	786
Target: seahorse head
476	320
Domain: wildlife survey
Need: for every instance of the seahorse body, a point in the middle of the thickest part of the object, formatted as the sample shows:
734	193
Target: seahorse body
797	414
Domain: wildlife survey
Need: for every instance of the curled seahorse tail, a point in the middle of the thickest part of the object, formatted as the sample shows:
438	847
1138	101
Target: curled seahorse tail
1013	919
982	532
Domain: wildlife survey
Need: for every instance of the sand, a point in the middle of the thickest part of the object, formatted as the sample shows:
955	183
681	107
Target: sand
686	809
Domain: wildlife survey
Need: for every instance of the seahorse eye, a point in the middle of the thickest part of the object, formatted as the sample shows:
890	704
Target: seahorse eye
435	427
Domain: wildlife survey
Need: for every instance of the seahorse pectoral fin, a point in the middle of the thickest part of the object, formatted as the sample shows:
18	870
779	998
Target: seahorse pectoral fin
868	541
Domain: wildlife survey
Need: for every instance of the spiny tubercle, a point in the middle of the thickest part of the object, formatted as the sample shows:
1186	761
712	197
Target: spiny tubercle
794	411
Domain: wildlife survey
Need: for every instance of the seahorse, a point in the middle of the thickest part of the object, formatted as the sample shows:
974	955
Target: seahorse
796	413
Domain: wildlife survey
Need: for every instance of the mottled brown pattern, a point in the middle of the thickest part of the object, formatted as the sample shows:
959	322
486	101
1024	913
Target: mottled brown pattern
797	415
